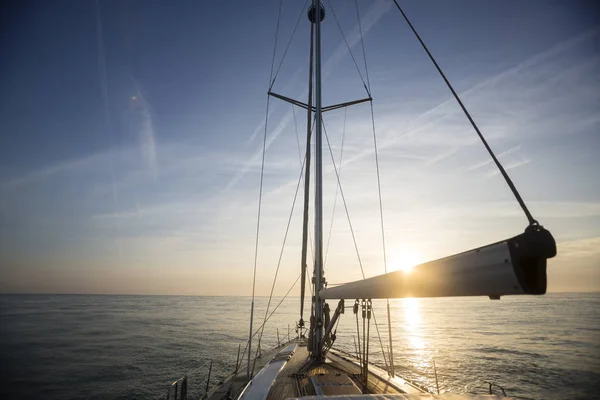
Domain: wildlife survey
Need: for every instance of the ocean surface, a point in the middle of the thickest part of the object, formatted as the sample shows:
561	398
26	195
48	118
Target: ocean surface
126	347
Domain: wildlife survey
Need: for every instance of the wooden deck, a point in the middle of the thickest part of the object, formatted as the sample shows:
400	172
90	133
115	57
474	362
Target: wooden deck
338	374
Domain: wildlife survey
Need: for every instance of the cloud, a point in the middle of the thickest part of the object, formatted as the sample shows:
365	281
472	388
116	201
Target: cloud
576	266
52	170
440	132
581	248
509	166
201	204
503	209
140	121
373	15
489	161
376	11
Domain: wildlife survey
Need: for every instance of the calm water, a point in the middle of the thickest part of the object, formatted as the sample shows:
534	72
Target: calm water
117	347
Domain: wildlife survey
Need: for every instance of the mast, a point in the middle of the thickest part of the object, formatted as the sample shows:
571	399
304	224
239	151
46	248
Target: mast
303	265
316	14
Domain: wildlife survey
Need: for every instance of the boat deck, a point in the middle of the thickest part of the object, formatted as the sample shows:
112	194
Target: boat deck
339	374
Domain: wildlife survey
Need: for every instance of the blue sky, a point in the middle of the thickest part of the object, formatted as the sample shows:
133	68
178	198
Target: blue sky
129	161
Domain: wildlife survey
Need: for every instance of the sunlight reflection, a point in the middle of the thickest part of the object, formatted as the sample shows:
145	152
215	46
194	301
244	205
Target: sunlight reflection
411	313
412	322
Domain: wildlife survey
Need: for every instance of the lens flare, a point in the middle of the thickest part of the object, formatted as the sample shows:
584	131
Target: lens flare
404	259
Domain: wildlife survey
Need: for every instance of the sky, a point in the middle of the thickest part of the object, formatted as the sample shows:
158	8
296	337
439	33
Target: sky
131	137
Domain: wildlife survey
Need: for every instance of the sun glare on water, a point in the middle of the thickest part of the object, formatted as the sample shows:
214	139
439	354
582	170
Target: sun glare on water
404	259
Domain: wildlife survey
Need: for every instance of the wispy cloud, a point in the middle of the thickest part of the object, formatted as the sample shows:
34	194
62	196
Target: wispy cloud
509	166
141	123
377	10
444	125
581	248
57	168
488	162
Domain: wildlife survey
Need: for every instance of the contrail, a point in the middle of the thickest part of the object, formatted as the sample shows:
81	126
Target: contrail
107	117
144	130
500	155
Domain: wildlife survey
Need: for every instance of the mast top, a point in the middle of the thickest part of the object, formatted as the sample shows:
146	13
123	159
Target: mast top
312	13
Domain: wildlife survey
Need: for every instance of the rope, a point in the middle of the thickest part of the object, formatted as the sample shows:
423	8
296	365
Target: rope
369	309
509	182
297	135
380	340
364	355
289	43
348	46
336	191
300	158
358	333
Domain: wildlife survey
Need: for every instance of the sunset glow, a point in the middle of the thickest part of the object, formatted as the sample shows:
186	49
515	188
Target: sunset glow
404	259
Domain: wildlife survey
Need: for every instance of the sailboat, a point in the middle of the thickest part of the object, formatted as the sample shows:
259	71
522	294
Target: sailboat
309	366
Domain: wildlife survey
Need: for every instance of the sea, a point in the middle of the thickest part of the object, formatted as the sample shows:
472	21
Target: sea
134	347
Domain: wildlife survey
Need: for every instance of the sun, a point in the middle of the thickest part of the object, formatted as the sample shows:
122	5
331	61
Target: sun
403	259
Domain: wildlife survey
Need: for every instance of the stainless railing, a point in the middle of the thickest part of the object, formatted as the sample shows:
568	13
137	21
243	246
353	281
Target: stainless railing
179	388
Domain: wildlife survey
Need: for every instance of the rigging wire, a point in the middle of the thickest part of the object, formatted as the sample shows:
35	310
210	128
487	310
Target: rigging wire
367	87
301	161
343	200
391	351
262	174
351	230
362	42
270	315
273	312
509	182
336	190
275	45
287	229
288	45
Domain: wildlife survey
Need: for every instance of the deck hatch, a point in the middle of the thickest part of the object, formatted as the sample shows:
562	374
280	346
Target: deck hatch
331	385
